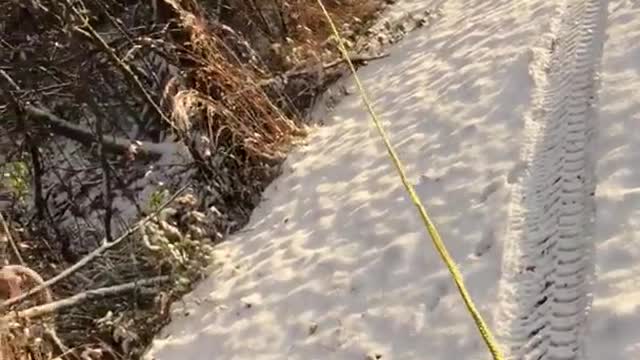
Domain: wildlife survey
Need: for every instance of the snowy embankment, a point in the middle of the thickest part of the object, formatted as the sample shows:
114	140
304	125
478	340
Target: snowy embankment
335	263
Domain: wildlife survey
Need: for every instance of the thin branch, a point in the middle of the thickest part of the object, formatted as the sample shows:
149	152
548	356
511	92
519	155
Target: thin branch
356	59
88	31
9	80
33	148
80	134
117	23
56	306
107	196
91	256
283	23
34	151
267	28
14	246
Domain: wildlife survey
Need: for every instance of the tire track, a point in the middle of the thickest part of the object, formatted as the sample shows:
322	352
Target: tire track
547	263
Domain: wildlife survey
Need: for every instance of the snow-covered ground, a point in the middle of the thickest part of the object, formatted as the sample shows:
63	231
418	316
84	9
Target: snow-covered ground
335	263
616	309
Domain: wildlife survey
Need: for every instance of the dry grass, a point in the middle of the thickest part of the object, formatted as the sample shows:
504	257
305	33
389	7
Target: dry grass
222	97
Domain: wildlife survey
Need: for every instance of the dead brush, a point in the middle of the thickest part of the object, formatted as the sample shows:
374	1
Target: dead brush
222	97
308	24
297	31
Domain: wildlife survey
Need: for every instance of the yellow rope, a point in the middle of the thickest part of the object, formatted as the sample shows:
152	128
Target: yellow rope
431	228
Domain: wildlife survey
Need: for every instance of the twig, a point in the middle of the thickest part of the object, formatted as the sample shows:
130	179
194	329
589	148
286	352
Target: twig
356	59
91	256
107	196
9	79
38	201
33	150
283	22
11	241
71	301
266	27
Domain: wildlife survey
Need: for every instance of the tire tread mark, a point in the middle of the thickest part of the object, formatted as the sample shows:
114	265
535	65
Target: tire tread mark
547	265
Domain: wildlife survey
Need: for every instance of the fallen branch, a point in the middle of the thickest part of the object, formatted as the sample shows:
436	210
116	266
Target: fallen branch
91	256
84	136
53	307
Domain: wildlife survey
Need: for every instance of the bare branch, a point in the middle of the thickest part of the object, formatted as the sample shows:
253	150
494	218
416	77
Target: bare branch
107	196
91	256
84	136
52	307
9	80
62	127
14	246
88	31
38	200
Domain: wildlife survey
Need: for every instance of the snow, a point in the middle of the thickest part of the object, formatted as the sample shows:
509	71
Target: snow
616	309
335	263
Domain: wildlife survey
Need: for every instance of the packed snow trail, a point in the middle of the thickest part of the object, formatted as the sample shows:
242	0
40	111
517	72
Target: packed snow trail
548	262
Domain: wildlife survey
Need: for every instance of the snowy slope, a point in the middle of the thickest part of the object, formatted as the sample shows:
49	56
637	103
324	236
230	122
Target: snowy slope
335	263
616	309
